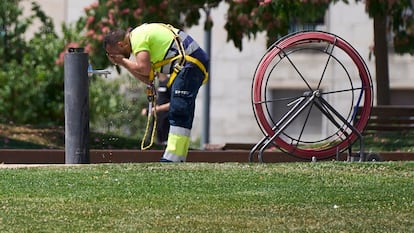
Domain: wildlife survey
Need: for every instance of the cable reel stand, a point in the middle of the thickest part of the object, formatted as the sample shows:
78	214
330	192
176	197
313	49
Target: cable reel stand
333	82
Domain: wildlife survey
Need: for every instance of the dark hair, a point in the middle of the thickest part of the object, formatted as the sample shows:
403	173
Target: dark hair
114	37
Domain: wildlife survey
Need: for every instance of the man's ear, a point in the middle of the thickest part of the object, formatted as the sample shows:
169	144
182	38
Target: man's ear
124	42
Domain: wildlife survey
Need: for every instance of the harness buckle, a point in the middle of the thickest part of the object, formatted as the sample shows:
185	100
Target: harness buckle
177	68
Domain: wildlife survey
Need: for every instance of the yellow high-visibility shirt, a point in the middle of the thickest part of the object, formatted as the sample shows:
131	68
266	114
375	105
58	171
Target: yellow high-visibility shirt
152	37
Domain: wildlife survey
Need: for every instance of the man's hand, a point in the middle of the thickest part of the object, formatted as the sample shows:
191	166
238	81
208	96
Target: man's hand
144	112
139	68
116	59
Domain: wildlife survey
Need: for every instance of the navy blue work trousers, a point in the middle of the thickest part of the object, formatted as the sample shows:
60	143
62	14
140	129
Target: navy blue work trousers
184	90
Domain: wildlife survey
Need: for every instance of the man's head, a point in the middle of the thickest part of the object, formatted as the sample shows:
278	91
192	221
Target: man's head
117	42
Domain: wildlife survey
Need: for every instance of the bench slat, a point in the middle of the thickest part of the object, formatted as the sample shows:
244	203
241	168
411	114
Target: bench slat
388	128
403	110
390	118
391	121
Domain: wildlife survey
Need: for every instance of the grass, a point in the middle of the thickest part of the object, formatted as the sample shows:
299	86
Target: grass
390	141
202	197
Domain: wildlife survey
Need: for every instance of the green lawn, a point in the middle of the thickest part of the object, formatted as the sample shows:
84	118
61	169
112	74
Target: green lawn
203	197
390	141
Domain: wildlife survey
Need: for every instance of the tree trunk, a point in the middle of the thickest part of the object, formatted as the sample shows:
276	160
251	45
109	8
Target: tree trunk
381	60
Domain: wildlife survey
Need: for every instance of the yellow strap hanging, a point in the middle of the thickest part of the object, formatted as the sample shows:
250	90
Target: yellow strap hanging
152	98
143	146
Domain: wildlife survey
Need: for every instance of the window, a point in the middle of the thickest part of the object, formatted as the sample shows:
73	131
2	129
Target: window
296	25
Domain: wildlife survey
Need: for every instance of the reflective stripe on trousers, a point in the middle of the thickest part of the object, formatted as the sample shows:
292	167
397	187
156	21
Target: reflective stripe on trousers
178	144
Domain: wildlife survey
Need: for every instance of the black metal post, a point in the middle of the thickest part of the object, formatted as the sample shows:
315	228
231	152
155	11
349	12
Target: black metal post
76	84
205	136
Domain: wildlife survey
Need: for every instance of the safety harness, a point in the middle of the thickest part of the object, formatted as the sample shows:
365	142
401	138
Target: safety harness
181	57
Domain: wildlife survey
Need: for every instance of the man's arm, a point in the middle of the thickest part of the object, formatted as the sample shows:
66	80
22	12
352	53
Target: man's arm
163	107
140	68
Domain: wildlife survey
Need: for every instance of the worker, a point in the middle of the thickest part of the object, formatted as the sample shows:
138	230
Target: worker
162	48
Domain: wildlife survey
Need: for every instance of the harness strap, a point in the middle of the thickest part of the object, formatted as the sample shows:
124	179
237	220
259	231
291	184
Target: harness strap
182	57
192	60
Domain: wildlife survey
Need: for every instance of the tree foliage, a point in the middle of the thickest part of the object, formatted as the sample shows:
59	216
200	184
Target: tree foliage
400	15
31	75
30	82
247	18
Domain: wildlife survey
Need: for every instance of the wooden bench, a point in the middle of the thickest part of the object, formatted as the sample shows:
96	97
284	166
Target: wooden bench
389	118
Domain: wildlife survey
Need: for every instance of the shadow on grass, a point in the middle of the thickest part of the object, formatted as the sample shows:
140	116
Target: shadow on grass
8	143
32	137
389	141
